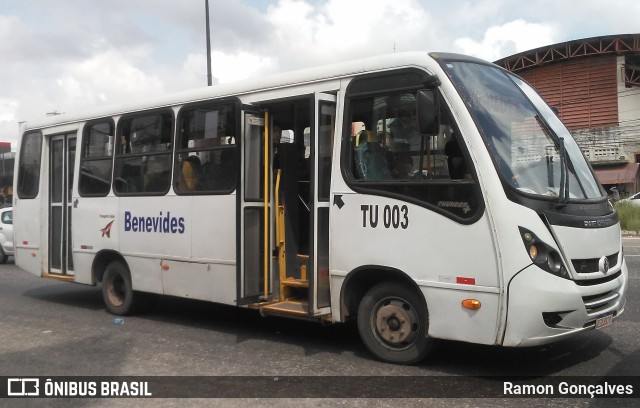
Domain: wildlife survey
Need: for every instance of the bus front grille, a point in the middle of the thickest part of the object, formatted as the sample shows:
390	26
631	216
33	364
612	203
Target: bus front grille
603	301
591	265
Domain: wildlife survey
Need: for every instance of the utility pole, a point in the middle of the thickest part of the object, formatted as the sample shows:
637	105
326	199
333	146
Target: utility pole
209	76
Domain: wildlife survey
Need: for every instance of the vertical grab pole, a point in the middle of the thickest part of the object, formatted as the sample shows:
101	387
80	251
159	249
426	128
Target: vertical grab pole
266	205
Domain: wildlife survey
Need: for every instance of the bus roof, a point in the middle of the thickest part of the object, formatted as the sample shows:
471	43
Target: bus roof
243	87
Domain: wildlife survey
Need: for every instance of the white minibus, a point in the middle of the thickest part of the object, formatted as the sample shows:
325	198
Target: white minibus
426	195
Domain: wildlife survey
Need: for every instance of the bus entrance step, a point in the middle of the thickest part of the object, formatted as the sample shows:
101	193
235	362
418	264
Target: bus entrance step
289	307
296	283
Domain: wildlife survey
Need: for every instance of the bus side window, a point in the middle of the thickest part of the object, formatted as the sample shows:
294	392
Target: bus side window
143	160
95	159
205	144
29	167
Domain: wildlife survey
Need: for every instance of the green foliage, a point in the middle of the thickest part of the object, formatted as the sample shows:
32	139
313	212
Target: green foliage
629	216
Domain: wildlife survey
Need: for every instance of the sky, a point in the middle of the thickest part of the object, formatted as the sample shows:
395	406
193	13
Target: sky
68	56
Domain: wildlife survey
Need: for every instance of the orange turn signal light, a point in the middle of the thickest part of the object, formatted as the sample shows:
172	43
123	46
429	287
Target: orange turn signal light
472	304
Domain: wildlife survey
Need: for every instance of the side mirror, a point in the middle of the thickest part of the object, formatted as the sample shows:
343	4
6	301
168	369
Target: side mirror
427	107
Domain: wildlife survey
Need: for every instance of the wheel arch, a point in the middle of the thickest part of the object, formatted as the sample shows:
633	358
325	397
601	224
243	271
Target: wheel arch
363	278
102	259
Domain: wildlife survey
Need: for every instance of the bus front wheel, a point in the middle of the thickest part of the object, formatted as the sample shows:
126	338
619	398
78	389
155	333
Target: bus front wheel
393	323
117	291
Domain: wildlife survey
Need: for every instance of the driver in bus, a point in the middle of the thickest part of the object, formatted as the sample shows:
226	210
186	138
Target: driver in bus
402	165
405	130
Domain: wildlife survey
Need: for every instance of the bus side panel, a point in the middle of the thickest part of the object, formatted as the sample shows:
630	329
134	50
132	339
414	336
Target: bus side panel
214	228
155	226
449	261
449	320
29	235
213	253
180	245
95	228
83	262
200	281
146	274
150	229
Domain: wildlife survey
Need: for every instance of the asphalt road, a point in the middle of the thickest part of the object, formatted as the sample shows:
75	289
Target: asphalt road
50	328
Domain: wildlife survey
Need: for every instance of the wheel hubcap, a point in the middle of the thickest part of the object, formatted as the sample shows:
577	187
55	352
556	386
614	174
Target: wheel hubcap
396	323
115	291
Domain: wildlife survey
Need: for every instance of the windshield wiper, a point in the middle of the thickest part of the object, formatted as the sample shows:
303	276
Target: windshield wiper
563	195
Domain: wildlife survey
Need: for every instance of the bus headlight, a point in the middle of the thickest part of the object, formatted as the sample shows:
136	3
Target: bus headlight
533	252
544	256
554	262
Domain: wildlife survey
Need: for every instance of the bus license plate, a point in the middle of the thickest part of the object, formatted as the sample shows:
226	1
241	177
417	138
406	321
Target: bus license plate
604	321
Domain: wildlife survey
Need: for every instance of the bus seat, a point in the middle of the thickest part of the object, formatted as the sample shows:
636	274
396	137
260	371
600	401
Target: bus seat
371	162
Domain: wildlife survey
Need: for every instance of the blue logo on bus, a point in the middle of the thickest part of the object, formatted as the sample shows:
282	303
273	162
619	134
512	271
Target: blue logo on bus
164	224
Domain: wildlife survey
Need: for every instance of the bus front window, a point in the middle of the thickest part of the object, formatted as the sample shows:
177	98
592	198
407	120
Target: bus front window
531	148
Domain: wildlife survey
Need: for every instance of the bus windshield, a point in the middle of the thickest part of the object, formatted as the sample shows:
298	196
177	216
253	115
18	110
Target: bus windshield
531	148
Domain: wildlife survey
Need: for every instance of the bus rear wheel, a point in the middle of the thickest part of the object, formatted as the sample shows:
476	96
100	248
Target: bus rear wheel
117	291
393	323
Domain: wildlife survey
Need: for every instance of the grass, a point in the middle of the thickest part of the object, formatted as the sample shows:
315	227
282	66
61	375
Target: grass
629	216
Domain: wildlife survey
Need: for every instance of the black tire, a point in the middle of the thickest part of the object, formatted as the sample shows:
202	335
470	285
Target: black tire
3	257
117	291
393	323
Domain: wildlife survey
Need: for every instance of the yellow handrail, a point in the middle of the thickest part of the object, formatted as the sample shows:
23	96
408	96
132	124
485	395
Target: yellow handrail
280	235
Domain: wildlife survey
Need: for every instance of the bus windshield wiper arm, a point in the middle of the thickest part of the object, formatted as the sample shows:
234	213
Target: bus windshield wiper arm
563	194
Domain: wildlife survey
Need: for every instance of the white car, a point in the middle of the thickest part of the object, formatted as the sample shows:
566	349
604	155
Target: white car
6	234
633	200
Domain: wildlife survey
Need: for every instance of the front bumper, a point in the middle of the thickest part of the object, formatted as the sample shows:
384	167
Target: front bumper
543	308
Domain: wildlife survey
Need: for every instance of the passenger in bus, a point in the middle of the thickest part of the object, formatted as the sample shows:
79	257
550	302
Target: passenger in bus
190	178
404	130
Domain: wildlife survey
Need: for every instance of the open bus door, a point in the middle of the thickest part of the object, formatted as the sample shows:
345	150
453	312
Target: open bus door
252	287
322	139
285	216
